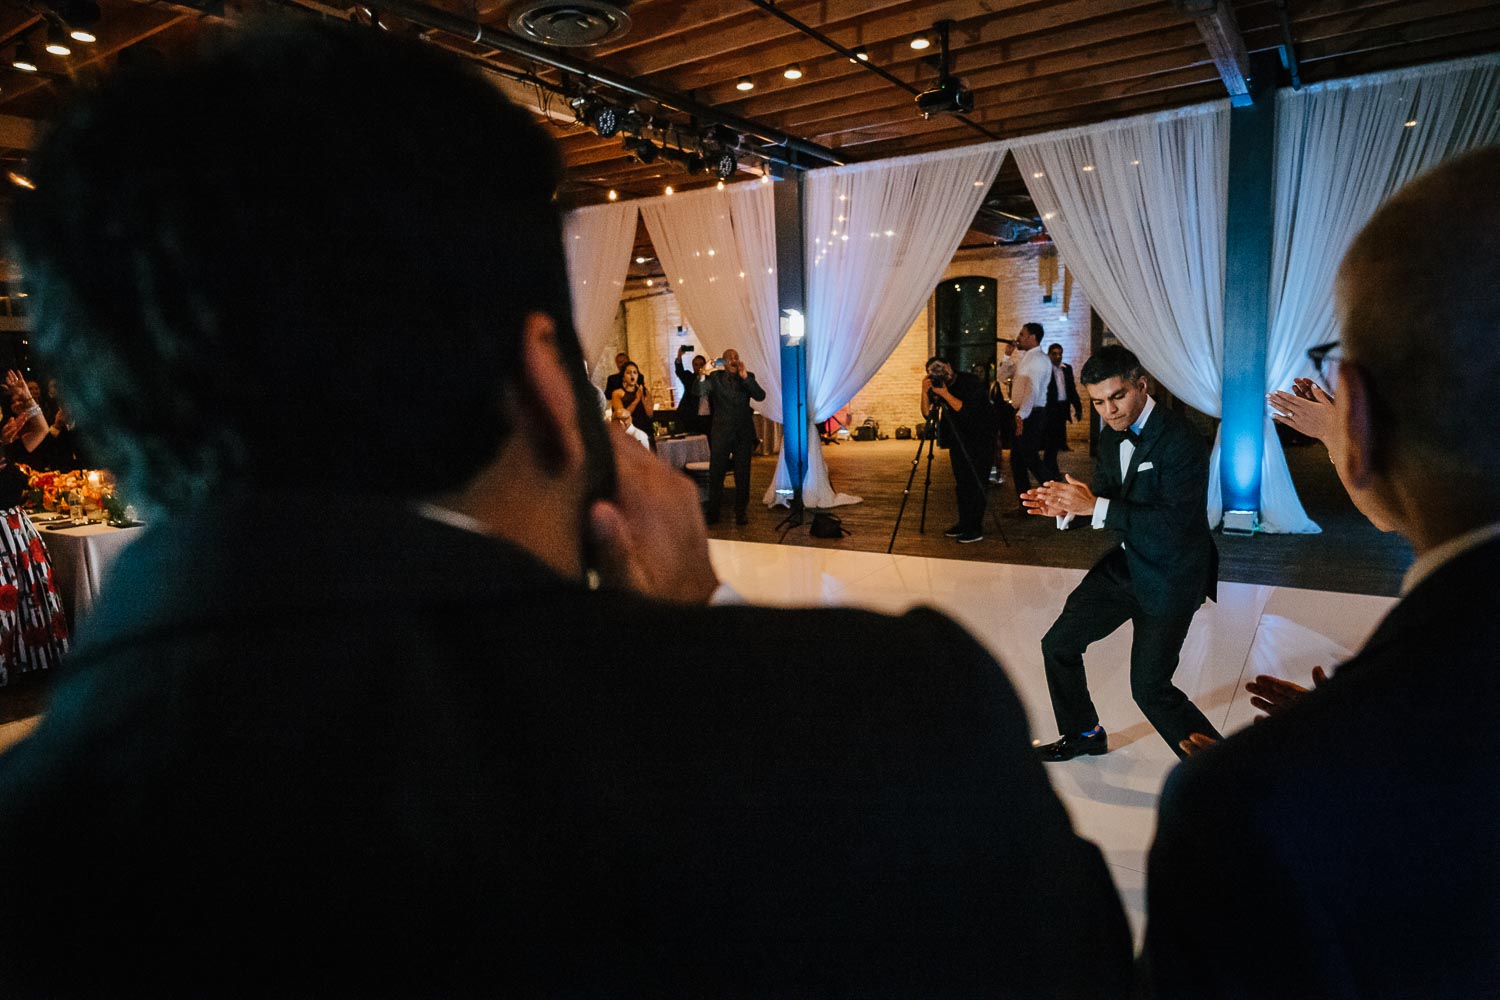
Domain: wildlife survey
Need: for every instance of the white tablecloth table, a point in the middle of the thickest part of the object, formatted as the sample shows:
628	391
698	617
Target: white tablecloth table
678	452
80	558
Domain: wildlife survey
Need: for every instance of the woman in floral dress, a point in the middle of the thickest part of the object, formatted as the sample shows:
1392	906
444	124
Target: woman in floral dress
33	631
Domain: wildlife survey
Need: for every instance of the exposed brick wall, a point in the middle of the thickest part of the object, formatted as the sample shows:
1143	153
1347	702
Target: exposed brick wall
1022	276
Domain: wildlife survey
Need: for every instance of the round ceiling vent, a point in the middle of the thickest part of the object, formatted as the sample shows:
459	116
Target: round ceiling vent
570	23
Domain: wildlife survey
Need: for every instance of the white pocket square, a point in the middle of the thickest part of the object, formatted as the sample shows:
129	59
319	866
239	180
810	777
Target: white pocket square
1144	466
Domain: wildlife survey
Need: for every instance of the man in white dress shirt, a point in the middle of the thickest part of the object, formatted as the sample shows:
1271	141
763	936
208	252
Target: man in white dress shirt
1029	397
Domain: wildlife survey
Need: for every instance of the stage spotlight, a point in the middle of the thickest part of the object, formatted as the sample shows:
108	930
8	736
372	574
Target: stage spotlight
745	84
725	164
641	148
25	58
604	119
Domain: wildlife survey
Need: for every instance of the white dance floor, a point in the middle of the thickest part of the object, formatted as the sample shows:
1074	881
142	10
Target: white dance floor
1251	630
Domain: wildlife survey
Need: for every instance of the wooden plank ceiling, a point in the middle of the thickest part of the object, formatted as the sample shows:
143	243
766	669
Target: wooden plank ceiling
1032	65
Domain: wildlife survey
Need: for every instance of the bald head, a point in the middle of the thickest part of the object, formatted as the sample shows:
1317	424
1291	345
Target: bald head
1418	298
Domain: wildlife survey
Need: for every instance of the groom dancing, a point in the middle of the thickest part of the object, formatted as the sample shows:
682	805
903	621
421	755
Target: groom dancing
1151	485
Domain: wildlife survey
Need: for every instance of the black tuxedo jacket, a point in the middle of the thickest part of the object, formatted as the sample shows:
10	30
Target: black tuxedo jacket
377	755
1160	506
1348	847
1071	397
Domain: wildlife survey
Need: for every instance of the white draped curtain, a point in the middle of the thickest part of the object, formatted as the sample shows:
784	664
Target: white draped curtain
1137	208
718	251
1342	148
598	241
878	237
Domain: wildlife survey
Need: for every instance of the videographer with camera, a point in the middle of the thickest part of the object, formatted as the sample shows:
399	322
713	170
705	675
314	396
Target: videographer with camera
966	427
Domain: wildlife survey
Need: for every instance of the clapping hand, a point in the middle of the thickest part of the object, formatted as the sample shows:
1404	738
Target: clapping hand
1054	499
1272	695
1307	409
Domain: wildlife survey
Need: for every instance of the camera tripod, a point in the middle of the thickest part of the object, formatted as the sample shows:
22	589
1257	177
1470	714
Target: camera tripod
928	439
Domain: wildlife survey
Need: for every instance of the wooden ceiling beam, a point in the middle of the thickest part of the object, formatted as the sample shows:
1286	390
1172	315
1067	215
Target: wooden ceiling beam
1327	28
1041	56
138	24
1026	30
1399	35
759	29
991	88
1226	46
1374	53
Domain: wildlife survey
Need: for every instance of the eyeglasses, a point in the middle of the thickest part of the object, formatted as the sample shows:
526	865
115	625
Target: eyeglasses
1329	354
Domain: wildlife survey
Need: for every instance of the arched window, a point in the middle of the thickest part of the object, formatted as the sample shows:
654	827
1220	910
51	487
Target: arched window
964	322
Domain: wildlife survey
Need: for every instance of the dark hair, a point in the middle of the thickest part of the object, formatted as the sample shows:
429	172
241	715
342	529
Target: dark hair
936	357
1035	329
1051	346
639	378
1111	361
285	204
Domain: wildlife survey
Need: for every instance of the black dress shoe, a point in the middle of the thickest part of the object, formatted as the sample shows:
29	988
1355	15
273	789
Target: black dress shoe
954	531
1073	746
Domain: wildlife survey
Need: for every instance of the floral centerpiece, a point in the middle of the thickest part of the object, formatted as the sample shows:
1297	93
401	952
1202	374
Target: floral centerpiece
54	490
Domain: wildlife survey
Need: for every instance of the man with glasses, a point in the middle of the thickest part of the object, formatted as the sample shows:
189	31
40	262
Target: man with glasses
1352	834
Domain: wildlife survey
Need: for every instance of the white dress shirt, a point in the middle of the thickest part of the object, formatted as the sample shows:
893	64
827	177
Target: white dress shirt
1037	367
1127	449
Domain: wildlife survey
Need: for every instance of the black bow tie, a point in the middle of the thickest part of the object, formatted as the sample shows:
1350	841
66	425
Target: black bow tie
1132	436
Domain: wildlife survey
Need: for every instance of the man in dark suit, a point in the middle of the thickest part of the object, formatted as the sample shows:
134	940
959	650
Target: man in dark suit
731	437
1351	837
1151	485
357	723
966	427
1063	407
695	412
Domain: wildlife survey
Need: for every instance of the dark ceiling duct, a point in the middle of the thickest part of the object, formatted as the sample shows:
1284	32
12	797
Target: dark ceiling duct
570	23
807	154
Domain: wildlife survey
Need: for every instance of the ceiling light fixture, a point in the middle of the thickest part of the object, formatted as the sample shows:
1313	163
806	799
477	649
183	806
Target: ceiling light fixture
921	42
669	189
25	58
57	41
745	84
720	185
861	54
82	35
793	72
1411	123
20	180
614	195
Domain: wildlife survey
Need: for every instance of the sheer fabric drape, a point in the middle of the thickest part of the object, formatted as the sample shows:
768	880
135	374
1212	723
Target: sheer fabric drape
718	250
598	241
1342	148
878	238
1137	208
